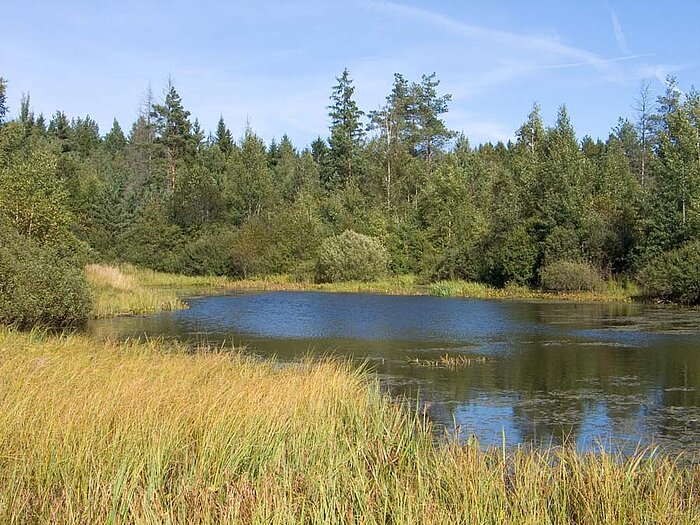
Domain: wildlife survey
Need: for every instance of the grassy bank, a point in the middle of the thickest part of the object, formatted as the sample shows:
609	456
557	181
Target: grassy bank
147	433
127	290
409	285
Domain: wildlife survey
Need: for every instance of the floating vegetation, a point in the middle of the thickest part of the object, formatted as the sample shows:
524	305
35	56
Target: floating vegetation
451	362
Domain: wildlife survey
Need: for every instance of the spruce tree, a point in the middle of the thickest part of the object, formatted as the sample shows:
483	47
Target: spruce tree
115	140
223	137
347	133
173	130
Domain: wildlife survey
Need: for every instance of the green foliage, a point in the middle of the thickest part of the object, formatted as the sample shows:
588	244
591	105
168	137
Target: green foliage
347	132
570	276
223	137
153	240
250	249
115	141
562	243
39	286
32	198
249	188
208	254
512	258
169	199
351	256
673	276
285	243
197	198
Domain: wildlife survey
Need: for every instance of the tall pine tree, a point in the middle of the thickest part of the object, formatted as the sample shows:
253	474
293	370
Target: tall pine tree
347	133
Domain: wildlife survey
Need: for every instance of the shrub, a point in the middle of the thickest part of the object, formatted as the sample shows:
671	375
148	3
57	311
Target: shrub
512	258
209	254
673	276
351	256
38	286
570	276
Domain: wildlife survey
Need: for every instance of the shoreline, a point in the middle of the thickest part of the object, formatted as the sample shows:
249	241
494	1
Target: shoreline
127	290
463	289
148	431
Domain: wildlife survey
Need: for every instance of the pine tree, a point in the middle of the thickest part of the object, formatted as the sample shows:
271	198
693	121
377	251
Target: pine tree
347	133
223	137
675	200
26	116
197	136
115	140
59	128
85	135
40	125
429	133
392	123
173	130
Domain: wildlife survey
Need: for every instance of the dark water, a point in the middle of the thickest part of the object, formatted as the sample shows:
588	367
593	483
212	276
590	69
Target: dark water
612	375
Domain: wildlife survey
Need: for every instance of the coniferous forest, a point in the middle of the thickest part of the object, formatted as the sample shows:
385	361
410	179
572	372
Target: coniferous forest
392	187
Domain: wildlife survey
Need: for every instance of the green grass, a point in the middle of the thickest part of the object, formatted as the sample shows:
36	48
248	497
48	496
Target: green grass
150	433
612	291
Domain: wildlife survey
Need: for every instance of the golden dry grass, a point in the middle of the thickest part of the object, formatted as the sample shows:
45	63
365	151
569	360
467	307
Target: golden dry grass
128	290
121	290
151	433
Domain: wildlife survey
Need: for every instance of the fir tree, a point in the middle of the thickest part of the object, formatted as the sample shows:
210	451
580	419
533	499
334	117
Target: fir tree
347	133
223	137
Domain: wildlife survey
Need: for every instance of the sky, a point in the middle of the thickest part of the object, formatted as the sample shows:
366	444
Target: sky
273	63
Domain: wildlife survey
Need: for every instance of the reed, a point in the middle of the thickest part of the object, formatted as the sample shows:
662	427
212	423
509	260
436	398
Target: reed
151	432
120	290
612	291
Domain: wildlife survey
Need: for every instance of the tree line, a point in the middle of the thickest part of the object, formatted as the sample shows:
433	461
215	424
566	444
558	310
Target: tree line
168	196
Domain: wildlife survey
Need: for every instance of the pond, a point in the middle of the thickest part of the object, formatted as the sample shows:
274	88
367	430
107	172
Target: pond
535	372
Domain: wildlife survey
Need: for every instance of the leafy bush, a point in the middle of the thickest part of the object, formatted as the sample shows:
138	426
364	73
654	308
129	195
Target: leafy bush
512	258
562	244
209	254
153	241
570	276
351	256
673	276
250	249
38	286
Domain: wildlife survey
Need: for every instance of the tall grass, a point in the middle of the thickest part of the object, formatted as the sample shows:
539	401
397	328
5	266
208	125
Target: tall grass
394	285
121	291
611	291
149	433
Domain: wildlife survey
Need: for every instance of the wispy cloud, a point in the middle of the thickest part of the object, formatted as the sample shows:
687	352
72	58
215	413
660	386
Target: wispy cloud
617	31
544	44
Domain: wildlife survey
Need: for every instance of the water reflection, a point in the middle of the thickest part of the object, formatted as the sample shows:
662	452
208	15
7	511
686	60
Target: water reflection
592	374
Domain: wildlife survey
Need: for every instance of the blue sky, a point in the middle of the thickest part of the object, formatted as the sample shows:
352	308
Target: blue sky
274	62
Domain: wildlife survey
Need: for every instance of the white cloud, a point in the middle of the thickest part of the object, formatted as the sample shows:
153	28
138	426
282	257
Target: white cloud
619	34
546	45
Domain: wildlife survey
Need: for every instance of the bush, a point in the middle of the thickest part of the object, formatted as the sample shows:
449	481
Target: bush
570	276
38	286
208	254
351	256
673	276
512	258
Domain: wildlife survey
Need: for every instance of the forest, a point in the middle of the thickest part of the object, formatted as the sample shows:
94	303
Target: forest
390	190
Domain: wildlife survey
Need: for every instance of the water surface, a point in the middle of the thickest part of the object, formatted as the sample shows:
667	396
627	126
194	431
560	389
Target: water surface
612	375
